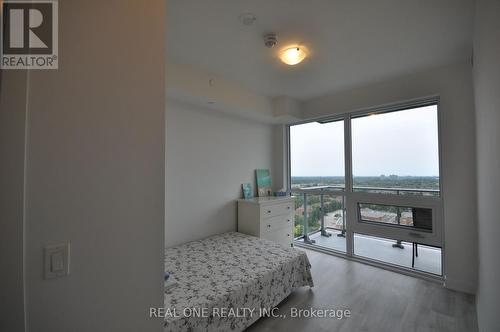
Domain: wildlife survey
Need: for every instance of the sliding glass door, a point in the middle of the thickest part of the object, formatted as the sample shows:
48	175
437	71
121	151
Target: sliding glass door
368	185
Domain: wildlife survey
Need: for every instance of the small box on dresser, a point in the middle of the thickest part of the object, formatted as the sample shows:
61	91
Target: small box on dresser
268	218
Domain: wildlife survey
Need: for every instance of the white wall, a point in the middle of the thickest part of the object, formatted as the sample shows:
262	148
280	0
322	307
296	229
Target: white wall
487	98
196	86
12	141
280	155
96	169
454	85
208	156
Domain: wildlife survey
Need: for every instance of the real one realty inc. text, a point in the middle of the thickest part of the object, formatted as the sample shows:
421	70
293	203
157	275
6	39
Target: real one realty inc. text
249	312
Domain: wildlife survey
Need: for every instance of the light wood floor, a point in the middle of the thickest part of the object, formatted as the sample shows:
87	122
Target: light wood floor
379	300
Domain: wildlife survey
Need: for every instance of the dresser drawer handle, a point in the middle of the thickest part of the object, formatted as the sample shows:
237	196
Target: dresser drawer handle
268	211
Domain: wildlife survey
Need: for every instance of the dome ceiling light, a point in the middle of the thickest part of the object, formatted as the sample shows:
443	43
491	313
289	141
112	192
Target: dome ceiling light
293	55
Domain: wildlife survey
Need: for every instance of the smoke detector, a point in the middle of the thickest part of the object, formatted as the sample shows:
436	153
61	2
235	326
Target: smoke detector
270	39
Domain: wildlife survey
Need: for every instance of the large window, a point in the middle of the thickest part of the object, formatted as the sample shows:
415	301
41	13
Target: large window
397	150
317	154
318	181
368	185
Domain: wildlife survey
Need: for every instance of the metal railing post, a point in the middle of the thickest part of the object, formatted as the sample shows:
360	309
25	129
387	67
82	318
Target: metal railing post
306	224
322	209
342	233
398	243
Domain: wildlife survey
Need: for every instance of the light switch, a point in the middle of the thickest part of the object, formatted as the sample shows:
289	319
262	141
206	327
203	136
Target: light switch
56	261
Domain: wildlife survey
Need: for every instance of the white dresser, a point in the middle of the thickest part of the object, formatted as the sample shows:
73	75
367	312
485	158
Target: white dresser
267	217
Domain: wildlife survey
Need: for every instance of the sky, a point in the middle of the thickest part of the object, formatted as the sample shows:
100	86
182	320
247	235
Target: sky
401	143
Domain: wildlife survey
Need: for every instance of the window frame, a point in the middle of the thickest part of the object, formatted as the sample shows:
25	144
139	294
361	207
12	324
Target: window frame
354	224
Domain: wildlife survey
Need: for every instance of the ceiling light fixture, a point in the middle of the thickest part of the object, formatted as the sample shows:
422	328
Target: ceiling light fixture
293	55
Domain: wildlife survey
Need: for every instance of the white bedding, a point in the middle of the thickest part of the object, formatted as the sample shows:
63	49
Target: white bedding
222	278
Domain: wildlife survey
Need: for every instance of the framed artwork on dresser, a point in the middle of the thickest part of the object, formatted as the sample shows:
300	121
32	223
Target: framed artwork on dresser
263	177
247	190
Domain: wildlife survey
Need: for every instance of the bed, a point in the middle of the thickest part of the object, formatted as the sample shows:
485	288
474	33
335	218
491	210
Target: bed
223	277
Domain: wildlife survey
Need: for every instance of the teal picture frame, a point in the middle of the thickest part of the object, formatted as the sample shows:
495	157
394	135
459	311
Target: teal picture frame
263	177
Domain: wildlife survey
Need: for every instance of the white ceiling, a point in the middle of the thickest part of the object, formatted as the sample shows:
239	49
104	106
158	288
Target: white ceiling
352	43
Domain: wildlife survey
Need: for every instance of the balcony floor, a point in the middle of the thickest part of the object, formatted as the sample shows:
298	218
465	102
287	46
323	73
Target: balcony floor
428	260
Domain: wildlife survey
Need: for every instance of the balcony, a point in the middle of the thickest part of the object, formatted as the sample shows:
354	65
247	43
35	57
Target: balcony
323	208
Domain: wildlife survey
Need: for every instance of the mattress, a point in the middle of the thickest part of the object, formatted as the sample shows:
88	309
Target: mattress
226	282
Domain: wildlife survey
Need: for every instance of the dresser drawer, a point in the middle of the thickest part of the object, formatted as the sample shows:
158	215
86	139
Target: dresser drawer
268	217
273	223
282	236
268	211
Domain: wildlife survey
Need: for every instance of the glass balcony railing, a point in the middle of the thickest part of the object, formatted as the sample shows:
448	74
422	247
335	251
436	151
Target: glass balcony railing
320	212
317	210
397	191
